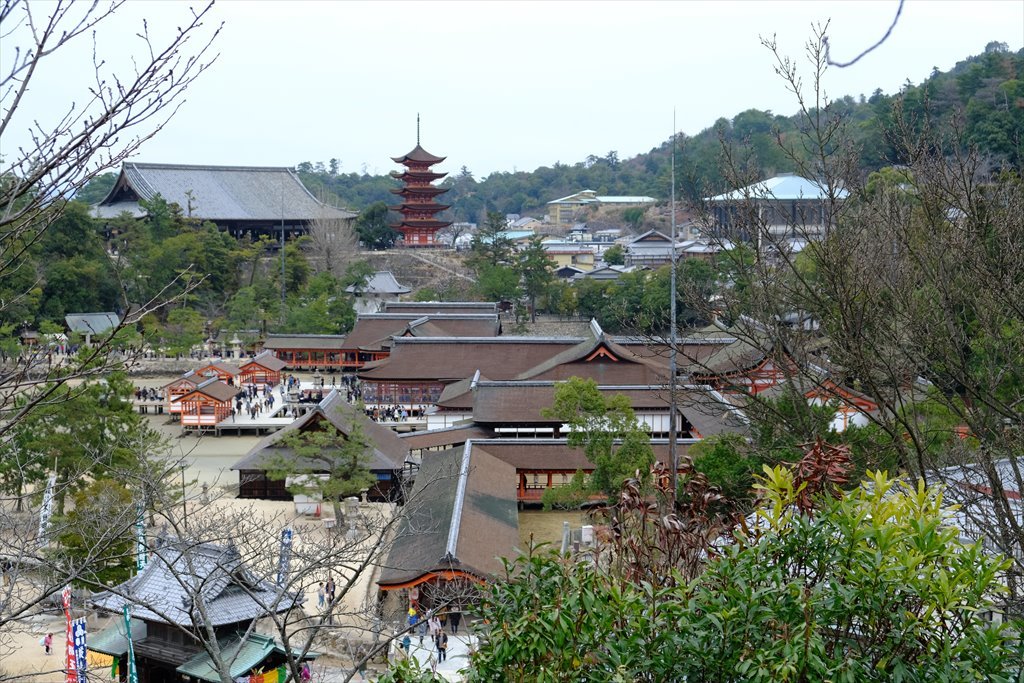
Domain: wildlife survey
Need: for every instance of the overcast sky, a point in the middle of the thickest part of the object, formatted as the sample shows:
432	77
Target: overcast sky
505	86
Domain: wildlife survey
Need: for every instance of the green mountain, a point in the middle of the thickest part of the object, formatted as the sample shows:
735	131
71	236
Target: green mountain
984	93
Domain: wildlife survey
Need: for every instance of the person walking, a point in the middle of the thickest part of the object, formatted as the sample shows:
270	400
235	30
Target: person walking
320	596
442	646
330	590
434	625
48	644
454	617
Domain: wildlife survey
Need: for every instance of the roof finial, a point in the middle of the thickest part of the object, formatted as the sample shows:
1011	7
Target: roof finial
417	129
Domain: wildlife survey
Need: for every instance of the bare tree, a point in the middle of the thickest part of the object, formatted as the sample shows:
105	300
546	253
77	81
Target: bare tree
334	243
451	234
199	540
114	115
908	290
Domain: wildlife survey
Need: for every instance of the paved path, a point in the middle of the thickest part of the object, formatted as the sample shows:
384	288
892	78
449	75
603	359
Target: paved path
458	655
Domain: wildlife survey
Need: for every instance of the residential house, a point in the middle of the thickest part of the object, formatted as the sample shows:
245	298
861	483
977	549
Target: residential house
564	253
606	273
651	249
567	211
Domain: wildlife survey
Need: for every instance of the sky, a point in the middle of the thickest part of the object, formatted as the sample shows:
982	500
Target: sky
499	86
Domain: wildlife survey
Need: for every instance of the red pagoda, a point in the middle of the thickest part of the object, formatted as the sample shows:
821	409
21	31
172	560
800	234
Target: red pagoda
418	208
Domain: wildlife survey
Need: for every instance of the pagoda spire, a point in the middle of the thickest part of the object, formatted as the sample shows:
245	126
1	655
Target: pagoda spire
417	129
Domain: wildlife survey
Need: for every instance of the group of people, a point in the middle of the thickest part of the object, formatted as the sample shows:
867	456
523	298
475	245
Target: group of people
148	394
325	593
387	414
434	625
255	401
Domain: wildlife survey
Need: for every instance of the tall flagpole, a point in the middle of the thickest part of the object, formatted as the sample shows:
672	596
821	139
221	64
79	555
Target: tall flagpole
672	445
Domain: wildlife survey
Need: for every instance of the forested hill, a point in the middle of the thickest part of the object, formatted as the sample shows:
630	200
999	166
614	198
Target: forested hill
987	90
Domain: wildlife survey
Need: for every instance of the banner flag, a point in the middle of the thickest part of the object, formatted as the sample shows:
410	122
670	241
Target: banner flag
133	674
46	511
140	538
71	662
81	657
286	555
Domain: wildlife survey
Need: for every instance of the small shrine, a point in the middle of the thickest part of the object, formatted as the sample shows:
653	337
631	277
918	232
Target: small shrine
419	209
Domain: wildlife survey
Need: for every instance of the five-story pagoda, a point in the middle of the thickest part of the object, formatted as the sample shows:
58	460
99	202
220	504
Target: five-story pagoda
419	225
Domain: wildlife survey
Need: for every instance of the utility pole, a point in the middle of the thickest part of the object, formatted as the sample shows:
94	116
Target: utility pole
283	288
673	450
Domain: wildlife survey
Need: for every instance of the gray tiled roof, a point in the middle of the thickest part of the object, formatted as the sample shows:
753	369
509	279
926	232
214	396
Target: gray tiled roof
219	192
425	307
328	342
113	640
91	323
387	451
214	574
381	282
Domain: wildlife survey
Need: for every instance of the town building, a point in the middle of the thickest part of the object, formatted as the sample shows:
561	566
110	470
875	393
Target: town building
567	211
246	201
652	249
786	206
575	254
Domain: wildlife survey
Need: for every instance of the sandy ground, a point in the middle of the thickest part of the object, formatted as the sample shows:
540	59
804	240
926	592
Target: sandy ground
209	460
22	655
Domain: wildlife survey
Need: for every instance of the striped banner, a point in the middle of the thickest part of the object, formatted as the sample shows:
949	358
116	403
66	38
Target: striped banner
45	512
141	550
81	656
71	661
285	558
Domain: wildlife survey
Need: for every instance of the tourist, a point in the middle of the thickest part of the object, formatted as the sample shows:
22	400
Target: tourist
434	624
320	596
454	617
442	646
330	590
48	644
305	674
